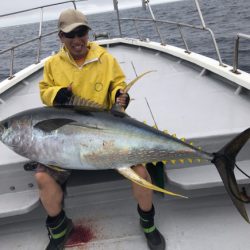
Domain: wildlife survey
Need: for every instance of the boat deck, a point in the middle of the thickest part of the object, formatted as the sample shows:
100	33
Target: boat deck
108	217
201	107
182	100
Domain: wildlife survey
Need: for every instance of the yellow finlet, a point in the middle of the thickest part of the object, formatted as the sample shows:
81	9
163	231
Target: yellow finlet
191	143
181	161
165	131
154	162
190	160
173	161
174	135
130	174
183	139
165	162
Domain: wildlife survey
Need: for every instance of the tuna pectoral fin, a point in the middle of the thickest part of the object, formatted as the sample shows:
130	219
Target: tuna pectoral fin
224	161
130	174
52	124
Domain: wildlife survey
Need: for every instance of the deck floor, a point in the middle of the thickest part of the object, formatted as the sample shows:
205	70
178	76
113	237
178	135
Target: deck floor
181	100
108	220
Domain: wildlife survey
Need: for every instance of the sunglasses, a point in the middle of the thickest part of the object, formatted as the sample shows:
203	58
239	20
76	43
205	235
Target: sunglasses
81	32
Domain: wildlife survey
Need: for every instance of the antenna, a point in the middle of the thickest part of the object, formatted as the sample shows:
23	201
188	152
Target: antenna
151	113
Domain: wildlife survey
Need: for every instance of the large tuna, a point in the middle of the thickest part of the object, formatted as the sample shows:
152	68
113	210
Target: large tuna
85	138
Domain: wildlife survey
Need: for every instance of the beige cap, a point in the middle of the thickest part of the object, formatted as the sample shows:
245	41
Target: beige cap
70	19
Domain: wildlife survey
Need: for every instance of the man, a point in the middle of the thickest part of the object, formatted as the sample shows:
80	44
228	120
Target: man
88	71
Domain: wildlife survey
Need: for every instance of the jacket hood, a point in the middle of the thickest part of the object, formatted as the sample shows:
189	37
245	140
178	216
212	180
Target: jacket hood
94	53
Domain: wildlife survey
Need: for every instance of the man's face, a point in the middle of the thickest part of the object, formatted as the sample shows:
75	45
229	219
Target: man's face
76	41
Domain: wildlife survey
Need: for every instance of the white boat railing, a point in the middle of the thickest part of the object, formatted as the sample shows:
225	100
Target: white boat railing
38	38
145	4
12	50
236	51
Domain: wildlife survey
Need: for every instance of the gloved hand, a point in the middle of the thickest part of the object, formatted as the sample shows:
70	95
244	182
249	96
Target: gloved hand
122	98
63	96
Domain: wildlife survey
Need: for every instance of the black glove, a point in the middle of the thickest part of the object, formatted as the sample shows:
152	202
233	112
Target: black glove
63	96
118	94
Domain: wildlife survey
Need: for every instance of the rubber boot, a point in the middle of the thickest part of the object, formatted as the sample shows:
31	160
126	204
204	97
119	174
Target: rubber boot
59	229
155	239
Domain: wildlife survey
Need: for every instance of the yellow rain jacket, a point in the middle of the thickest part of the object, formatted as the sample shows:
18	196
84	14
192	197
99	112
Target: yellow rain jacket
97	80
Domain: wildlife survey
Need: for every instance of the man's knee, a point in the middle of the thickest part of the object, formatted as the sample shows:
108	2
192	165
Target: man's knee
43	179
142	172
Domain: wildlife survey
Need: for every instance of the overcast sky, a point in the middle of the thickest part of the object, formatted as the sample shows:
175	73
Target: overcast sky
88	7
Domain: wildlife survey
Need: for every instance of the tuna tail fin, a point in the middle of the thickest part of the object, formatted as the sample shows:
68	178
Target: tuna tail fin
224	161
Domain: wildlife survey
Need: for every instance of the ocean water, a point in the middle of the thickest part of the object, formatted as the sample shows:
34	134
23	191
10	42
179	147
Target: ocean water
225	17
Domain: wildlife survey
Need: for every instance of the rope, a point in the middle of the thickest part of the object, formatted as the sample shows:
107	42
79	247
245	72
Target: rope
241	170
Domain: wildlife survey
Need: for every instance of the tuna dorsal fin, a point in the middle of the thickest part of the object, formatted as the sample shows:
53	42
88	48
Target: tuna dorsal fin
52	124
130	174
130	84
117	109
79	101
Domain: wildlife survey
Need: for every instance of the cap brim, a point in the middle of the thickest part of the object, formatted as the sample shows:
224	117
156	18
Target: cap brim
72	26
